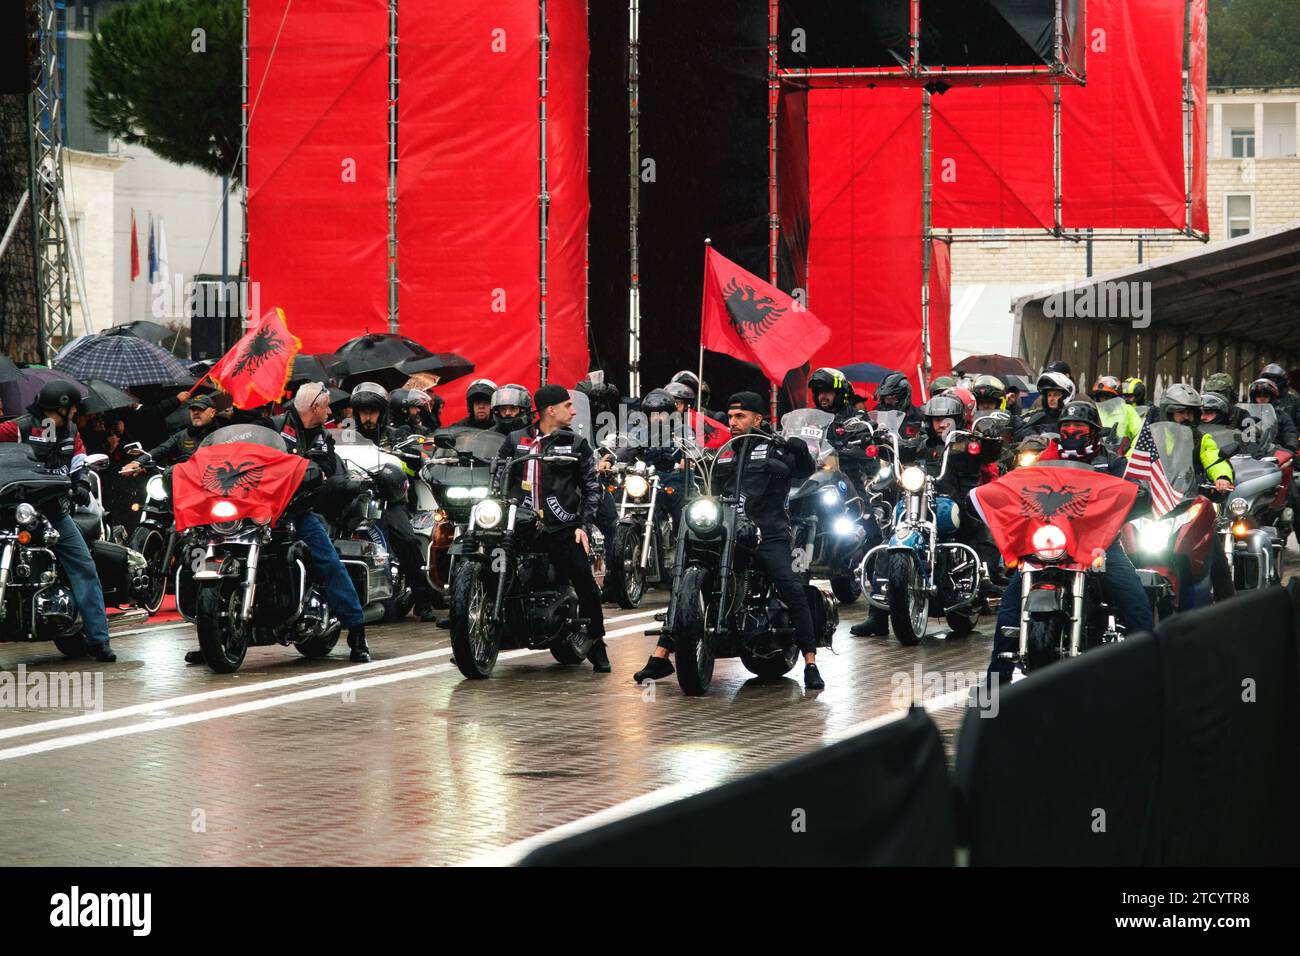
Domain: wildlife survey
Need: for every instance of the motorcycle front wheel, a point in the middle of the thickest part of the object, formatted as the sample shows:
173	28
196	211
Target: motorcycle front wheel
1044	642
846	586
691	632
909	604
223	636
73	645
624	576
475	640
152	545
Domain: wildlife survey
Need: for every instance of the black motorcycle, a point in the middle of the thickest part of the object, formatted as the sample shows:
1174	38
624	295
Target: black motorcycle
154	536
36	600
722	603
504	590
639	554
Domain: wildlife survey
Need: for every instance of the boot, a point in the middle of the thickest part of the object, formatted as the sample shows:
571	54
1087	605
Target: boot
876	625
599	656
657	668
424	607
193	657
103	653
357	641
812	678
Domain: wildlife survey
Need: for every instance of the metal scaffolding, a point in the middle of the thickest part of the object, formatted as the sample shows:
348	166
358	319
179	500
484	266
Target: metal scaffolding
54	272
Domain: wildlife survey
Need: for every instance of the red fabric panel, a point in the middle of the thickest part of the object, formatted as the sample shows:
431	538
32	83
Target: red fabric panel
1122	134
468	181
992	158
864	259
940	309
317	243
1200	134
566	149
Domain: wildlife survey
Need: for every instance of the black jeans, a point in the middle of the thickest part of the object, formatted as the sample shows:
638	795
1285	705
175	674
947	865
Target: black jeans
572	565
775	556
407	546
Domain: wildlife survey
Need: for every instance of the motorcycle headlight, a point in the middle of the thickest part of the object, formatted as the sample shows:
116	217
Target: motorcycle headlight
1049	542
488	513
457	494
844	527
478	493
224	510
1026	458
1153	536
912	478
703	515
830	497
636	486
1239	506
155	489
25	515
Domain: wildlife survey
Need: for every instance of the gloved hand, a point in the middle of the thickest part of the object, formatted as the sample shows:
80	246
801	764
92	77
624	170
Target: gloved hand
81	493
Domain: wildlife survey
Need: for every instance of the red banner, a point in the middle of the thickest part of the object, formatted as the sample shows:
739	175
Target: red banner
232	481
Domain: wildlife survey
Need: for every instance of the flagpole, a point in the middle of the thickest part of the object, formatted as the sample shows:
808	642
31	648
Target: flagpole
699	379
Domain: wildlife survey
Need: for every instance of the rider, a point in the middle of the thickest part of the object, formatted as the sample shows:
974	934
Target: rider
772	464
565	496
512	409
370	407
413	411
180	446
1263	391
660	452
894	394
1134	391
1055	390
692	382
1129	425
49	428
990	395
1080	440
478	400
831	392
1221	383
1287	400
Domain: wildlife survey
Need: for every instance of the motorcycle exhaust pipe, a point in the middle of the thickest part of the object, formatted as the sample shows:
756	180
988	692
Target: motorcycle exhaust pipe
6	562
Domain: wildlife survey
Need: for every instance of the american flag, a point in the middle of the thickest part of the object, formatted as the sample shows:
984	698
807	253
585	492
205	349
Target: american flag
1144	465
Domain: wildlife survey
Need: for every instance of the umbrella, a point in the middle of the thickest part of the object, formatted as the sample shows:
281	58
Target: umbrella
144	329
9	372
17	395
447	366
866	373
103	397
310	368
1000	365
124	361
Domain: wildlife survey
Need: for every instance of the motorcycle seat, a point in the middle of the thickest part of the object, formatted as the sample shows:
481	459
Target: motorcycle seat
87	523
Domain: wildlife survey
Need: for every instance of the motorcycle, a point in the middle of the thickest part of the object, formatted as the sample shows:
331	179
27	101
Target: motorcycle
249	583
637	557
36	599
504	591
722	603
154	536
1172	552
924	571
1054	520
1247	522
826	508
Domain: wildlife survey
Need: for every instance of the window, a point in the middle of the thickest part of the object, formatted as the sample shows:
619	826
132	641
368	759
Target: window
1243	142
1240	214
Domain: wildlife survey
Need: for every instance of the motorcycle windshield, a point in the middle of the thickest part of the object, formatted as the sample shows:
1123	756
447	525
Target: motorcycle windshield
245	434
23	479
991	423
1086	509
1223	435
1174	446
1261	429
1111	412
888	420
810	424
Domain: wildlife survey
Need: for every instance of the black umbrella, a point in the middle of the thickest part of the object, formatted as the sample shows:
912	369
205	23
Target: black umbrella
311	368
993	364
103	397
9	372
17	395
448	366
144	329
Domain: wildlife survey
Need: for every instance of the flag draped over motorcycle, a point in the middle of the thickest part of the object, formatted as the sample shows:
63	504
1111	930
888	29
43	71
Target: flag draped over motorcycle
1089	506
232	481
753	321
257	369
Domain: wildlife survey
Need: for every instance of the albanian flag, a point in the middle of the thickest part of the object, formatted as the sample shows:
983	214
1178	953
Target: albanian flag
232	481
748	319
256	370
1089	506
710	432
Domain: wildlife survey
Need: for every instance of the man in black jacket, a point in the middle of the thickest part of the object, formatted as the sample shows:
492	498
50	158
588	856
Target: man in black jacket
178	448
478	402
771	465
565	496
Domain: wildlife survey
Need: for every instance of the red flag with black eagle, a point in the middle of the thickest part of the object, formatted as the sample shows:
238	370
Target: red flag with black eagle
709	432
756	322
232	481
1089	506
257	369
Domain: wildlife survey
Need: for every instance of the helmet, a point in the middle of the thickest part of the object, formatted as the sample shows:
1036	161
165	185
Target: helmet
941	384
1180	397
480	390
401	399
658	400
1080	410
988	388
944	406
678	391
967	401
390	482
831	380
1215	402
1136	388
692	381
1058	381
59	395
515	395
368	395
895	385
1061	367
1276	373
1220	383
1263	386
1106	387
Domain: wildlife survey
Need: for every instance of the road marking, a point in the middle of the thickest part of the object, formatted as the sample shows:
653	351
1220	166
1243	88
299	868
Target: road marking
513	853
186	700
349	684
169	626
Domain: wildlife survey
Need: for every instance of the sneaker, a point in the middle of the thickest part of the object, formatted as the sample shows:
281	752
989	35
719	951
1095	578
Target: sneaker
812	678
657	668
599	656
193	657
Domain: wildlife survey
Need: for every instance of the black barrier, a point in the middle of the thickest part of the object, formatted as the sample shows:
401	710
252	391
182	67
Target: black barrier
1066	774
882	798
1230	772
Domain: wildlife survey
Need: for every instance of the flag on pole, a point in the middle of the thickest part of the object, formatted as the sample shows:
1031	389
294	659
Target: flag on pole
135	250
163	272
153	254
1144	464
256	370
754	321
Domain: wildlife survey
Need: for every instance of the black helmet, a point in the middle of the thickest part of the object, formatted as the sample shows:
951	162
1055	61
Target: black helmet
1263	386
692	381
945	406
1216	403
679	392
390	482
515	395
1276	374
1062	367
988	388
830	380
480	390
1080	410
402	399
58	395
369	395
658	400
894	386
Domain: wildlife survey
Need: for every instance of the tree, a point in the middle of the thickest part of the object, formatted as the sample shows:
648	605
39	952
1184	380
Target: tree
1254	42
166	74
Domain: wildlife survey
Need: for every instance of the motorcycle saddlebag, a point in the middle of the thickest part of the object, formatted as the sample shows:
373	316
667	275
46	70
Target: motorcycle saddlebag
115	568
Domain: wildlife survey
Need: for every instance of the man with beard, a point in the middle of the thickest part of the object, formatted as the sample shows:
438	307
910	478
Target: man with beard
478	402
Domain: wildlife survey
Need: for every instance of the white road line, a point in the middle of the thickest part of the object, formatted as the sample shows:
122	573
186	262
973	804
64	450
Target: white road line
169	626
512	853
171	703
348	684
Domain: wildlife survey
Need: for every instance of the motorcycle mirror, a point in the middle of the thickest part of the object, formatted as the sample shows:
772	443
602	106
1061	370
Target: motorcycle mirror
96	462
134	449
